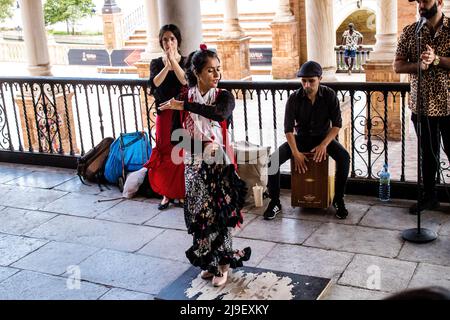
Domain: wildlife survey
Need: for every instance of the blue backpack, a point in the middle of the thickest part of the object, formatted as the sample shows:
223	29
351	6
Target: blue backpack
127	153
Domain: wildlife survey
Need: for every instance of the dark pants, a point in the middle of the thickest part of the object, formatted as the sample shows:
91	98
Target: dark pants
349	57
432	129
306	144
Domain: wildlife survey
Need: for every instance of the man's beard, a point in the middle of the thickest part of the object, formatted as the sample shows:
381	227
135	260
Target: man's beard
309	90
430	13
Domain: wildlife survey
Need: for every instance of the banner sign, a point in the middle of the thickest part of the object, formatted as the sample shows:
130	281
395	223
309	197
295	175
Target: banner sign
89	57
261	56
101	57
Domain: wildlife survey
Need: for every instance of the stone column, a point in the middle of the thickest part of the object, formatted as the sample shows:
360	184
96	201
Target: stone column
35	38
285	46
153	49
186	15
379	69
231	29
112	25
233	46
284	12
321	38
387	28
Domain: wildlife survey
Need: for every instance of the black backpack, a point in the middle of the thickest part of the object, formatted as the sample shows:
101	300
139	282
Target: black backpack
91	166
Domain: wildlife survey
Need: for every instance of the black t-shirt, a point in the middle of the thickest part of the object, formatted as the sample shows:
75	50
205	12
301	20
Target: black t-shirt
312	120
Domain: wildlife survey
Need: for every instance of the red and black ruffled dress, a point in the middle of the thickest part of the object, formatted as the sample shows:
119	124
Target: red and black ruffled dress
165	176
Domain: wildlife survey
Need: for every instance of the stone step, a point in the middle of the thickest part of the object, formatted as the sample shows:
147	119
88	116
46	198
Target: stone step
212	43
241	20
246	28
261	70
242	14
253	34
209	40
142	37
255	25
264	42
218	28
135	43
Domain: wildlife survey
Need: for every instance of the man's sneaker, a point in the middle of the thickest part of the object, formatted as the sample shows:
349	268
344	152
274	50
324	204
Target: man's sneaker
272	210
428	203
341	210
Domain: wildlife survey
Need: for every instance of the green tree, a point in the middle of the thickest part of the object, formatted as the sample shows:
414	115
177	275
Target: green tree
6	9
69	11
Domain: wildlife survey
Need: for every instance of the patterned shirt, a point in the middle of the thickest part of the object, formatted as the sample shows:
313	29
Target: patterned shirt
436	80
351	40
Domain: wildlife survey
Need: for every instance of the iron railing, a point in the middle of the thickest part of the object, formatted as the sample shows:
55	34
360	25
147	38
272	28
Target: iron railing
362	56
55	120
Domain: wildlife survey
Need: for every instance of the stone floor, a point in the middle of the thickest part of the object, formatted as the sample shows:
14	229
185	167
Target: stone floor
53	231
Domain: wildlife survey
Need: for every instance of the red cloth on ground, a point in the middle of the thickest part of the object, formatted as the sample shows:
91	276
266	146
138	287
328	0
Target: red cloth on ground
166	178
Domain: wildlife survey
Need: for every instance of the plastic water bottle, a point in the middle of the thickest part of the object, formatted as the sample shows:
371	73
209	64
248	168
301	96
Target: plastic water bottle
385	184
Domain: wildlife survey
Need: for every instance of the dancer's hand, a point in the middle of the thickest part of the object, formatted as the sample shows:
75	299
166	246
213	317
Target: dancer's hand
172	104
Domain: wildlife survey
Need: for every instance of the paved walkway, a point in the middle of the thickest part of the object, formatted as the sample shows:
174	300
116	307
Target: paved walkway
54	231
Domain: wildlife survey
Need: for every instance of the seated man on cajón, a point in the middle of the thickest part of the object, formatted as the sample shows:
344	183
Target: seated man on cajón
313	113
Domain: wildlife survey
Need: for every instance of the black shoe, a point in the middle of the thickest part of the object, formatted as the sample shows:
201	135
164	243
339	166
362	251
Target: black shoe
341	210
178	204
163	206
428	203
272	210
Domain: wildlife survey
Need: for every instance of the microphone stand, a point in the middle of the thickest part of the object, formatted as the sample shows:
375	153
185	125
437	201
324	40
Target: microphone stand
419	234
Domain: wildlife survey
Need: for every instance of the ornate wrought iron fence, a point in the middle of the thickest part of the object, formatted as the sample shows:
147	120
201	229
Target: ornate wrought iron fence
49	117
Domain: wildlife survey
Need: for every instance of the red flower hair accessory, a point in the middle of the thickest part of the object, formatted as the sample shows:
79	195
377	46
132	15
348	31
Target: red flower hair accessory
203	47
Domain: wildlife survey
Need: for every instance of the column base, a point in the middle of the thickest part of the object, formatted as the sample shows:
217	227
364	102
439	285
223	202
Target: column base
383	72
235	57
41	70
329	75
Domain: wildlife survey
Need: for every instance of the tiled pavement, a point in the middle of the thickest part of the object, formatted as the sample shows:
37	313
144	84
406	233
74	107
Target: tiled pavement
53	229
